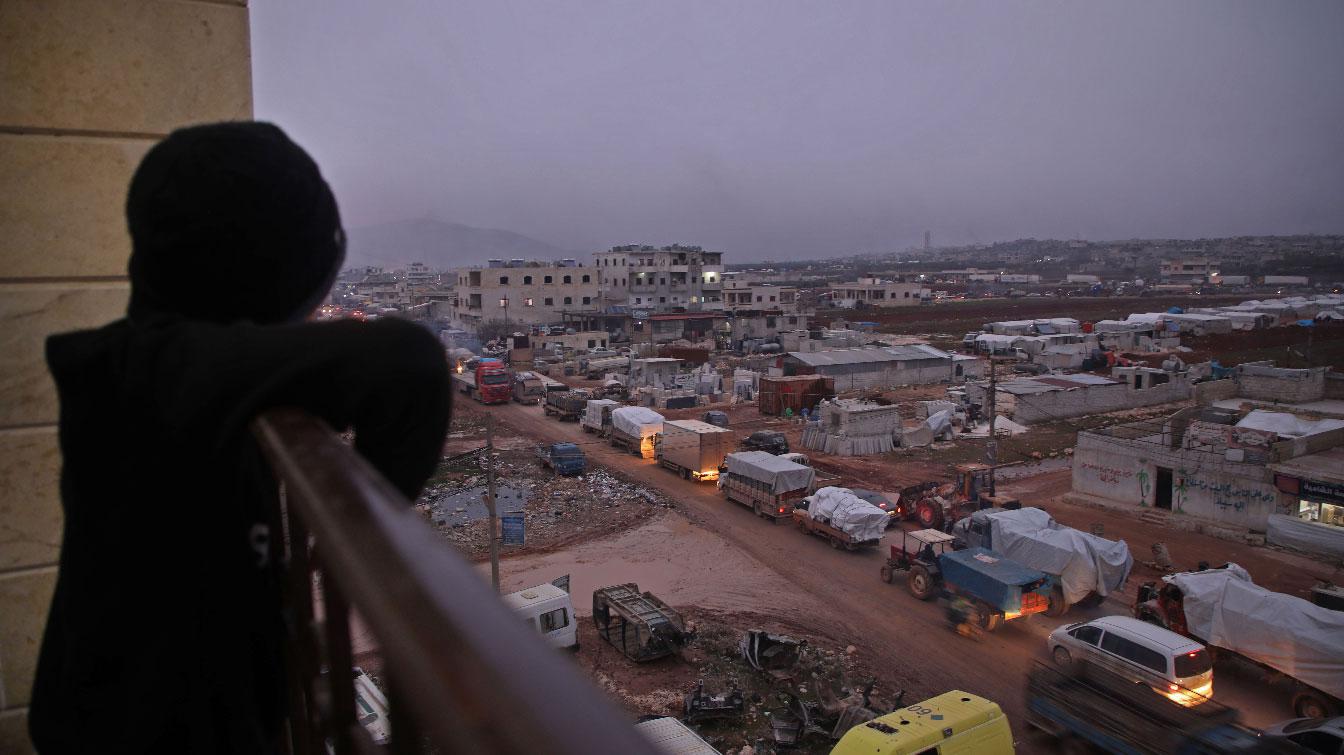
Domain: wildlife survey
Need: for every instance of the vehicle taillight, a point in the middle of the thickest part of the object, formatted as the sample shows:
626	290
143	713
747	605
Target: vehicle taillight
1174	687
781	509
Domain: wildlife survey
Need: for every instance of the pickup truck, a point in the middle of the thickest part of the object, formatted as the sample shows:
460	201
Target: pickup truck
769	441
564	458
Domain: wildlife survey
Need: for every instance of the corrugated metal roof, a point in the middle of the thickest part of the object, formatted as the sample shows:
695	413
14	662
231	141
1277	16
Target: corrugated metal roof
869	355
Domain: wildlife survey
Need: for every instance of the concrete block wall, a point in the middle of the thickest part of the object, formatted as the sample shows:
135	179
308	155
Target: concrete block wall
890	374
87	88
1047	407
1203	486
1278	384
1214	390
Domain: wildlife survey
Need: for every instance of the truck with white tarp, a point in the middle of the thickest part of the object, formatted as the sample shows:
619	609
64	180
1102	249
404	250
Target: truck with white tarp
1086	568
597	415
770	485
693	449
633	429
1293	639
843	519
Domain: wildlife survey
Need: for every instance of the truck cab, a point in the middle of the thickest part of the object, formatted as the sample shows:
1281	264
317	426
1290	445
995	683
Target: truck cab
548	610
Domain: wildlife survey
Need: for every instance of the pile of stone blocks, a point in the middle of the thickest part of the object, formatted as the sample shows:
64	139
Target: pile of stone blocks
853	427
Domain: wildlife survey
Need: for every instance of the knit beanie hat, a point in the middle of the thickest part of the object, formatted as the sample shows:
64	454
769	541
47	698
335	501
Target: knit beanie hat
230	222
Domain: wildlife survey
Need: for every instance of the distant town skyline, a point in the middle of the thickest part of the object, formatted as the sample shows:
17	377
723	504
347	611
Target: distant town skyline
789	131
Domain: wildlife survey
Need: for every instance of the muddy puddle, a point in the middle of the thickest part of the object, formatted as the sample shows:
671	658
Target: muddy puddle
468	505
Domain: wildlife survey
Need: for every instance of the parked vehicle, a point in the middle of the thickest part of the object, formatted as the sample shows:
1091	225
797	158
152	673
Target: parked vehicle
1088	707
769	485
999	588
633	429
640	625
1313	734
671	736
565	405
528	388
769	441
596	417
953	723
488	381
716	418
968	493
693	449
1086	567
1292	641
564	458
549	610
371	708
898	505
841	518
1170	664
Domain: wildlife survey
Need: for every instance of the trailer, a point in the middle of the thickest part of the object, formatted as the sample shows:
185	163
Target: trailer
999	588
769	485
565	405
1089	708
841	518
640	625
528	388
596	417
633	429
693	449
1288	639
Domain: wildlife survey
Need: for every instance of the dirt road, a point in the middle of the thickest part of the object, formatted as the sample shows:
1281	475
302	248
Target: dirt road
837	594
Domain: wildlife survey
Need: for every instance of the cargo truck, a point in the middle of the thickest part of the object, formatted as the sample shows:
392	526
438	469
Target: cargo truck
633	429
565	405
596	417
769	485
840	518
693	449
528	388
488	381
564	458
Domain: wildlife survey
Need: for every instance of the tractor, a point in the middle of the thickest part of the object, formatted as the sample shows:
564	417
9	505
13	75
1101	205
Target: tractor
970	492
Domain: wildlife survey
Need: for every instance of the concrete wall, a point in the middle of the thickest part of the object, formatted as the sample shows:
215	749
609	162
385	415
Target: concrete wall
1279	384
1046	407
87	88
1203	486
888	374
1214	390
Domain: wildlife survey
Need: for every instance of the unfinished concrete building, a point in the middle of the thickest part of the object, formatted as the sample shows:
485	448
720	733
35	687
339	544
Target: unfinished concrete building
882	366
1033	400
852	427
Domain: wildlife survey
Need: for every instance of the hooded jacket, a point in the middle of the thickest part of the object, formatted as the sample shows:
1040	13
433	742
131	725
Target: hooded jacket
164	633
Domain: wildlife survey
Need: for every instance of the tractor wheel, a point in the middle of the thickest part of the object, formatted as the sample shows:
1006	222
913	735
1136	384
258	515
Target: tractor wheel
920	583
1057	606
886	574
930	515
990	620
1308	703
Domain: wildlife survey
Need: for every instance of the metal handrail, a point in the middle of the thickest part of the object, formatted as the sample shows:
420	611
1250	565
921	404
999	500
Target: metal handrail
464	674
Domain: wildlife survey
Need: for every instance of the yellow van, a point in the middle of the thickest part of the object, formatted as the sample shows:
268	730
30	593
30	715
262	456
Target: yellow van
953	722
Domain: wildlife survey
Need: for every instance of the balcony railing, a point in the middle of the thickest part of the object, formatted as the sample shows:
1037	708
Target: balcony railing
462	672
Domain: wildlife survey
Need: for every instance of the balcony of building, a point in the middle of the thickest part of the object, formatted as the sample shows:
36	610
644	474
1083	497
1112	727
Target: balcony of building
463	674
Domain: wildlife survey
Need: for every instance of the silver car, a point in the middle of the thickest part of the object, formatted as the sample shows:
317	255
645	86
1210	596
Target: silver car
1171	664
1315	734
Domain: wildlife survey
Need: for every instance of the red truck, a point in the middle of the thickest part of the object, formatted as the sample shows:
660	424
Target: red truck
489	381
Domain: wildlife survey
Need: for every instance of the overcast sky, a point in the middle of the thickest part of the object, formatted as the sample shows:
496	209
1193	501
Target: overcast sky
792	130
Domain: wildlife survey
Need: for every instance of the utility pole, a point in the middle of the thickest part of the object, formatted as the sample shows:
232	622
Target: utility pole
993	417
490	499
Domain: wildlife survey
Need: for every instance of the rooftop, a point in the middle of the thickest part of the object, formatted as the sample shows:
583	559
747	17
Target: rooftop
869	355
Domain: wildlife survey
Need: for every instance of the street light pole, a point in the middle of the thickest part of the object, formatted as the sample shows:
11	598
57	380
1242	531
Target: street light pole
490	500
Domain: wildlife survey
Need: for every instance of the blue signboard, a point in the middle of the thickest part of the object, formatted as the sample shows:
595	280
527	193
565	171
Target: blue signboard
512	526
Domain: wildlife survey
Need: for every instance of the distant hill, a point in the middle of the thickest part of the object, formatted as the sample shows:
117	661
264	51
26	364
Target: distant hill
442	245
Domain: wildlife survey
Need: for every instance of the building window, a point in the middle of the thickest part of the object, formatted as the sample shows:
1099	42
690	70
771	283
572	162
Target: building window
587	300
547	280
503	280
550	302
569	300
569	279
529	302
587	279
527	280
772	298
592	343
662	300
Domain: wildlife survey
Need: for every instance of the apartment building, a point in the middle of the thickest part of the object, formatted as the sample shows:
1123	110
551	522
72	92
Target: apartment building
739	296
1188	270
670	278
875	292
526	293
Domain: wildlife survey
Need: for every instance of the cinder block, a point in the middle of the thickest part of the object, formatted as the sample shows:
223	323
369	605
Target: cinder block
123	66
28	314
26	596
14	733
30	465
63	212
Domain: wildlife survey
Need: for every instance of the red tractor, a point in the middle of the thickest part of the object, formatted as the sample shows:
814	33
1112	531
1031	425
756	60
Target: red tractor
969	493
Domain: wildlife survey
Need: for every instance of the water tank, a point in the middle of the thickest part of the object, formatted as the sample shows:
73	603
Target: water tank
494	263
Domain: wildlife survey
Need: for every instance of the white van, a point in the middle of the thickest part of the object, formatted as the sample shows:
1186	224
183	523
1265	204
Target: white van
1173	665
548	610
371	707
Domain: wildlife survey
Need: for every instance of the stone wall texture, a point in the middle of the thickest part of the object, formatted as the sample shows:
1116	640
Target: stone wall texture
88	88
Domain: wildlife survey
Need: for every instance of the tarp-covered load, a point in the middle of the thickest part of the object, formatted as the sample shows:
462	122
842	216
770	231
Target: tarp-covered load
848	513
1083	562
637	421
1303	640
781	475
